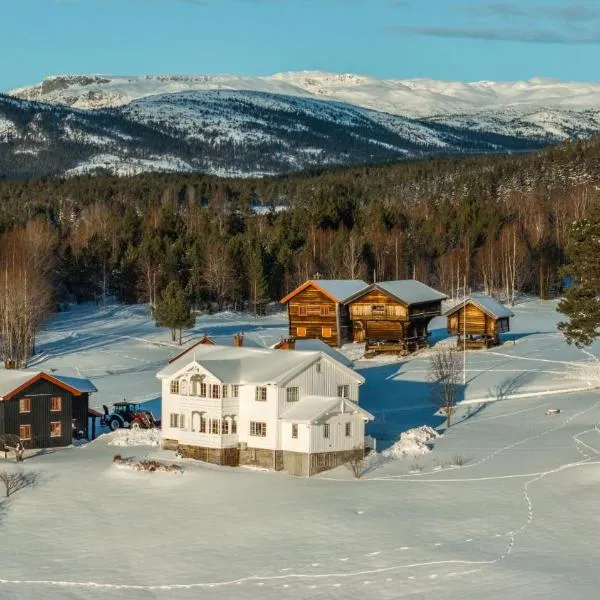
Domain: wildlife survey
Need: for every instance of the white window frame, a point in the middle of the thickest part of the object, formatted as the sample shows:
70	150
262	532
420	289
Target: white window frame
259	392
235	390
258	429
348	429
294	431
292	394
326	431
343	391
174	386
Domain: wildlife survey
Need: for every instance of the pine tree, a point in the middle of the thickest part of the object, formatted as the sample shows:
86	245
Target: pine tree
174	311
582	301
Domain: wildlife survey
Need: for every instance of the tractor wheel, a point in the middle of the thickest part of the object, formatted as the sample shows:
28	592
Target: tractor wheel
114	424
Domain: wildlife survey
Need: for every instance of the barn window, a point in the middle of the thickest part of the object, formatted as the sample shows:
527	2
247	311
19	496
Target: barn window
56	403
326	430
295	431
175	386
292	394
258	429
302	311
25	432
324	310
235	391
55	429
300	331
25	405
326	332
348	429
260	394
343	391
378	310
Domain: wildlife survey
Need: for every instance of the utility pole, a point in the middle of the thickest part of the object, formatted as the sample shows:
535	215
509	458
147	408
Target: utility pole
465	334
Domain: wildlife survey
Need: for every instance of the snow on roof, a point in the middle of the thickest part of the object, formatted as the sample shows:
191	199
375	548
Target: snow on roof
487	304
312	408
340	288
248	365
12	379
411	291
307	345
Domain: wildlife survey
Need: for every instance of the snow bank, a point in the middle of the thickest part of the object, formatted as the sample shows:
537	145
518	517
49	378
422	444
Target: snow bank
135	437
413	442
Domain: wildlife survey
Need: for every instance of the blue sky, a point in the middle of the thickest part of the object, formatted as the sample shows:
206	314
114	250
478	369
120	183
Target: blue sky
443	39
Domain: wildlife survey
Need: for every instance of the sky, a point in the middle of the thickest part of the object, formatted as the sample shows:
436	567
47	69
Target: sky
466	40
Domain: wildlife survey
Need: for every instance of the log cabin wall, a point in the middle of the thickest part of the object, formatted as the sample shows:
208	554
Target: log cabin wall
472	321
314	315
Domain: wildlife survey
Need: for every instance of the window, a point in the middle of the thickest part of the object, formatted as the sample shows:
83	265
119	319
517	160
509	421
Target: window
343	391
324	310
378	310
302	311
300	331
25	432
225	391
261	394
55	429
202	424
178	421
175	386
225	427
233	425
202	390
295	431
293	394
348	429
258	429
215	426
56	403
326	430
183	387
326	332
318	367
235	391
25	405
215	391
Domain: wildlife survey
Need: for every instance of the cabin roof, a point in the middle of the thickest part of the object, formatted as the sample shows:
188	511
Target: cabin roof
338	290
309	345
257	366
313	408
487	304
13	381
407	291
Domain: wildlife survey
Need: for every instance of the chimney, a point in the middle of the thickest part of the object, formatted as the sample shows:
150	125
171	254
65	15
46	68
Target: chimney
238	340
287	344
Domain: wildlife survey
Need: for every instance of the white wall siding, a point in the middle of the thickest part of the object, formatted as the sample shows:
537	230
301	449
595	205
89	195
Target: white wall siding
260	412
288	443
337	440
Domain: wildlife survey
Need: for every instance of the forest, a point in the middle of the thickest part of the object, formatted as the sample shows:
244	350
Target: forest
495	223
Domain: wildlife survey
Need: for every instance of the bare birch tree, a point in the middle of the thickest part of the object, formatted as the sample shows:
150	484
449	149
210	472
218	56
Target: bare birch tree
444	374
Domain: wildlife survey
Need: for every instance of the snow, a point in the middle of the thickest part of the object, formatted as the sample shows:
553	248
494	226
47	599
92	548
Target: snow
312	408
411	291
413	442
125	165
135	437
488	304
515	517
341	289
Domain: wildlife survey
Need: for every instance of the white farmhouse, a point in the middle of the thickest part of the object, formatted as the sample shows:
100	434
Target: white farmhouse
290	410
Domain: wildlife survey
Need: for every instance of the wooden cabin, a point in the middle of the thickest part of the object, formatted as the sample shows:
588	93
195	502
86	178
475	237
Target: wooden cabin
478	322
317	310
42	410
392	316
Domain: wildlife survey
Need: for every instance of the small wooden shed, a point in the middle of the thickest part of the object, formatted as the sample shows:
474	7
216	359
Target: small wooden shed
478	321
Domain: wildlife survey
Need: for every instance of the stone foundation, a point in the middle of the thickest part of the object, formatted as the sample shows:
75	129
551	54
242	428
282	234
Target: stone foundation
259	457
229	457
169	444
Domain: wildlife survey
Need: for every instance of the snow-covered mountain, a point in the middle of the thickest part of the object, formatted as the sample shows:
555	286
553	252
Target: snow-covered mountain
224	132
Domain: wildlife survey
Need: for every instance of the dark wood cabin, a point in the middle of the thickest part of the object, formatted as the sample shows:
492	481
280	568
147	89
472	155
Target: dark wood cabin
478	322
43	410
317	310
392	316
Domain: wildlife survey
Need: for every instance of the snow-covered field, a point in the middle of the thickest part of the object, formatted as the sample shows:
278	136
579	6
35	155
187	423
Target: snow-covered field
504	506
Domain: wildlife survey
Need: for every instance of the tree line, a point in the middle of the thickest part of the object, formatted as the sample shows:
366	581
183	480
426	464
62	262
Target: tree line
497	223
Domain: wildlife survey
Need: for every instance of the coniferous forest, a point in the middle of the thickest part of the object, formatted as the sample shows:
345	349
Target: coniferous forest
495	223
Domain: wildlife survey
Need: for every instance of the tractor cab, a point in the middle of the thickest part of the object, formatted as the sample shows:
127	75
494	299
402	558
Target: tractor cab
125	409
128	414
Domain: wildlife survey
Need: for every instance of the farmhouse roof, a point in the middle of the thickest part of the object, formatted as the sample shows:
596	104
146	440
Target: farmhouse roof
308	345
407	291
337	289
13	381
313	408
487	304
259	366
